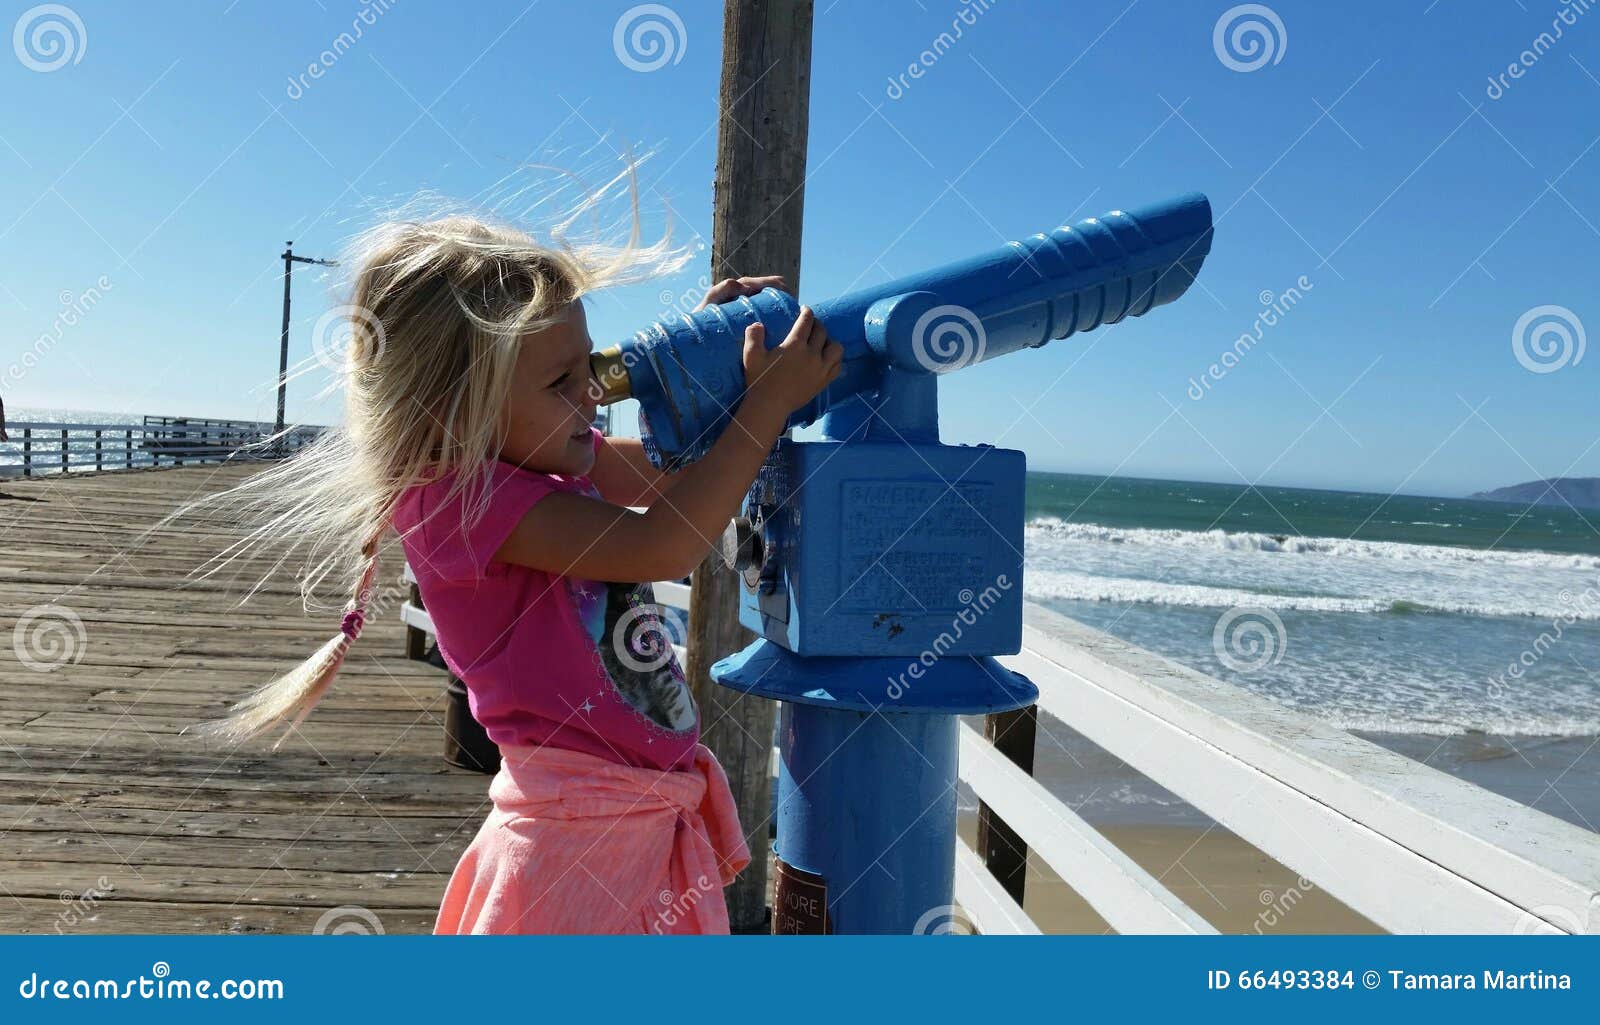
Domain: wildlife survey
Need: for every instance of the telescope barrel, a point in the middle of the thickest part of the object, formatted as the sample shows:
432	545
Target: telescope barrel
687	372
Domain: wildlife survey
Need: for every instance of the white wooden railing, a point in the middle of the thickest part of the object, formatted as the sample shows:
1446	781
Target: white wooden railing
1413	849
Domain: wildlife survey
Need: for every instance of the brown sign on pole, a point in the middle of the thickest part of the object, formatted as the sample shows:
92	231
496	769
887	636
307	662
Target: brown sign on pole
800	902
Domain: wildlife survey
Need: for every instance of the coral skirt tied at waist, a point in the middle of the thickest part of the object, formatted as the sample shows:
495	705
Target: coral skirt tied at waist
578	844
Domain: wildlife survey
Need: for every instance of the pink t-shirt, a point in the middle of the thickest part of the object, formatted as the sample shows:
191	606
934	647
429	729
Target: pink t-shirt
547	659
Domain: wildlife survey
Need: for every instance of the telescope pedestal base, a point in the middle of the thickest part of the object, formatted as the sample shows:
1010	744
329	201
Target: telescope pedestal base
867	801
867	781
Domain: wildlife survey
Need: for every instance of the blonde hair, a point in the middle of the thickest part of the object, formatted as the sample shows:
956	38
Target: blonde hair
437	310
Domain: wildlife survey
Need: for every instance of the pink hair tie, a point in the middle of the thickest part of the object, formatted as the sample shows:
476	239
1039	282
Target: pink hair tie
352	623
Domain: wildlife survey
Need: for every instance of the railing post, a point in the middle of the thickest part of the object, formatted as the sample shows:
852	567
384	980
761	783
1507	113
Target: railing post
1003	851
63	450
27	452
129	447
97	457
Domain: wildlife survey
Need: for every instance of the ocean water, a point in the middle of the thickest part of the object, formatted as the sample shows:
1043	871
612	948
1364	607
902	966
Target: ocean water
1392	614
41	414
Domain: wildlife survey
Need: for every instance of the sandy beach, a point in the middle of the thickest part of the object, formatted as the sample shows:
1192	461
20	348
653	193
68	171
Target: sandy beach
1226	881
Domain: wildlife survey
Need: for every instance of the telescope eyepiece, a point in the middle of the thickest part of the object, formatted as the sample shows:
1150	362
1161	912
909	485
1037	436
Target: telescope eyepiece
611	378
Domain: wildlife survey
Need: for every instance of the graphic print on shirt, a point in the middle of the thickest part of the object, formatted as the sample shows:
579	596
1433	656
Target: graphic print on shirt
635	648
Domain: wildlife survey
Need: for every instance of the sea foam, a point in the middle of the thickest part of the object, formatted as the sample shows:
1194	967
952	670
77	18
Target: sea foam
1297	545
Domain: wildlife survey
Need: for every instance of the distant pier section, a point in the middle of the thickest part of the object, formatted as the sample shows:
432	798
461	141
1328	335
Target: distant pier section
39	447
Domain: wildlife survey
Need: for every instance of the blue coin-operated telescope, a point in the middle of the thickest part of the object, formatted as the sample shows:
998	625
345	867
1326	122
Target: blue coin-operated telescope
881	569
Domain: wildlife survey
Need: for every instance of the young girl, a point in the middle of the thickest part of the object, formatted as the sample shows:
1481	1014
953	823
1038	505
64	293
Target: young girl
468	432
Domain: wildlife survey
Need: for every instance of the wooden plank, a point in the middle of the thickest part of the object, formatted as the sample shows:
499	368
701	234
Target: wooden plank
417	618
173	794
256	766
315	740
199	700
670	592
111	822
174	856
223	884
154	722
1410	847
170	917
1130	899
981	896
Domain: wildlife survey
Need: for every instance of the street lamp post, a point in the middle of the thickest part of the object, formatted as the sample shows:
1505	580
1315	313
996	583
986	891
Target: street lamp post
289	260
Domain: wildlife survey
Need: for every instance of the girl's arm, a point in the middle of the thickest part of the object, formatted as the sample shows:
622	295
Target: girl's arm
624	475
572	535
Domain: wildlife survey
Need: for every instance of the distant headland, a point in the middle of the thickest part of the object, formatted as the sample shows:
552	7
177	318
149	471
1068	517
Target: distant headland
1582	492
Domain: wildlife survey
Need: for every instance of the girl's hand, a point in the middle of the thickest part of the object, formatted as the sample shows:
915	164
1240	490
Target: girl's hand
789	376
729	289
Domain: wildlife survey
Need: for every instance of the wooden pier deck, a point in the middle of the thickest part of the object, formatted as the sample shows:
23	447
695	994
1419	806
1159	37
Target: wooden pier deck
113	821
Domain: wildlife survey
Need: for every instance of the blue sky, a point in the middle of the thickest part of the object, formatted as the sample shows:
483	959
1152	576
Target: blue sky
170	158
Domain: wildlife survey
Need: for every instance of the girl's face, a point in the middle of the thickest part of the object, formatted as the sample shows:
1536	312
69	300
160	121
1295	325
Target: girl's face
551	405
